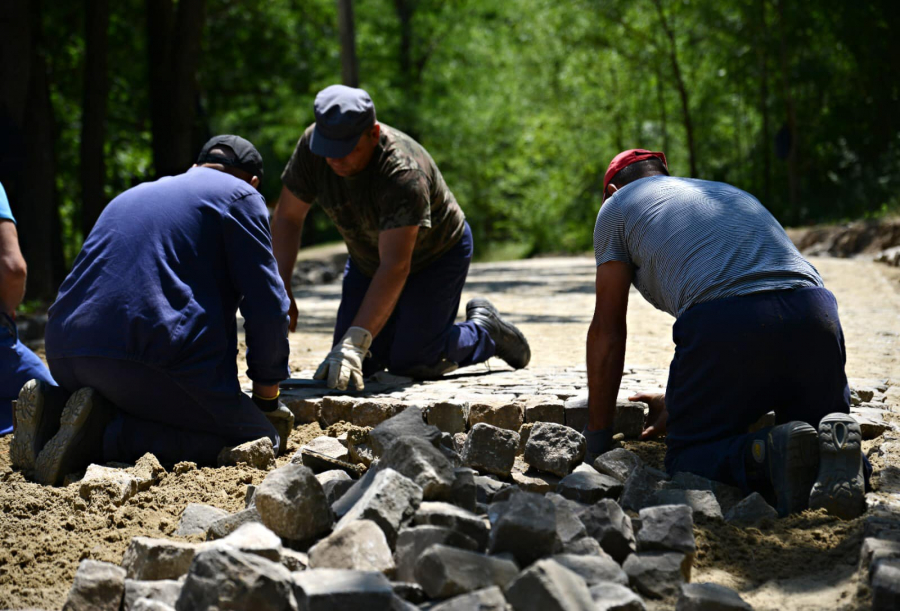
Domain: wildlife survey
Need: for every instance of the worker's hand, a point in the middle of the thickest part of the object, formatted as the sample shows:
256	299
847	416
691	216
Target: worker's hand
281	417
655	424
344	363
292	314
598	442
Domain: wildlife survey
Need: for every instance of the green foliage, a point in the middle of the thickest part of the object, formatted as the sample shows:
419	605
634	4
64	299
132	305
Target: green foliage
522	103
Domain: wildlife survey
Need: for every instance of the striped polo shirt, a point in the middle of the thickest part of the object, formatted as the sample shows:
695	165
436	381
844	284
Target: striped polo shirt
690	241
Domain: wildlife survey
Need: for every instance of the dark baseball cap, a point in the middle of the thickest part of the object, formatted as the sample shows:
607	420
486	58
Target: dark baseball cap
245	157
343	114
625	159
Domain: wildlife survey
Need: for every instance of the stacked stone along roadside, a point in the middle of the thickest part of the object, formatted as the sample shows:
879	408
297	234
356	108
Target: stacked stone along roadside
453	510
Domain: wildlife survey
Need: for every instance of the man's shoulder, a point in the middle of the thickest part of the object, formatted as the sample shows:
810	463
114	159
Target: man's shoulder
402	154
205	186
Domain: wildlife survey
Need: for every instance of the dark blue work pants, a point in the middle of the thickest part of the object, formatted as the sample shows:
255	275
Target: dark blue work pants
178	416
18	364
737	359
421	331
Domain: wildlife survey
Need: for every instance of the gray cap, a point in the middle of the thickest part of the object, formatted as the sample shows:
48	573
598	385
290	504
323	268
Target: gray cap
343	114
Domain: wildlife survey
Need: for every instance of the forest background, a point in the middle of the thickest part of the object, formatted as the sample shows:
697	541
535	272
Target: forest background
522	103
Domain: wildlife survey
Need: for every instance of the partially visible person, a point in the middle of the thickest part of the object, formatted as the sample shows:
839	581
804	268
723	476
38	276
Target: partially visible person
18	364
409	245
755	331
143	334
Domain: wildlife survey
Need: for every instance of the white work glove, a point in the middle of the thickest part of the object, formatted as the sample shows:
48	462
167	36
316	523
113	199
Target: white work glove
344	363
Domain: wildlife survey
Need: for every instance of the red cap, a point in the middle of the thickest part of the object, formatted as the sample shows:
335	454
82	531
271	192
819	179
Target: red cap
625	159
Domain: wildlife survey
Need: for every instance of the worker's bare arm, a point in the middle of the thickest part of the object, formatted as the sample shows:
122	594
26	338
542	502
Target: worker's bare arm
395	248
12	268
287	226
606	343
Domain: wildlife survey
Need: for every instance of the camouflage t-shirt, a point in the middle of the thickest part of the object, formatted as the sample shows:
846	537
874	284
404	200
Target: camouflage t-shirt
401	187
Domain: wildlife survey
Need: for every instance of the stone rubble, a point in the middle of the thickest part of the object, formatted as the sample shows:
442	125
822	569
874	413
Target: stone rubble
291	502
491	449
445	571
709	596
196	519
98	586
259	454
554	448
360	545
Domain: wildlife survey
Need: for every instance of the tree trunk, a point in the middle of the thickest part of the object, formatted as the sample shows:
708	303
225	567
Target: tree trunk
27	131
664	118
349	63
790	111
93	114
174	44
682	89
761	43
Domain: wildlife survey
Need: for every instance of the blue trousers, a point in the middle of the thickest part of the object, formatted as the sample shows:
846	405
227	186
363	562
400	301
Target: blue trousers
18	364
739	358
421	331
178	416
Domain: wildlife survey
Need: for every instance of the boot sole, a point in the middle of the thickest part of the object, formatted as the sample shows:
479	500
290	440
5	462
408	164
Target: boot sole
29	411
793	464
56	460
517	362
839	487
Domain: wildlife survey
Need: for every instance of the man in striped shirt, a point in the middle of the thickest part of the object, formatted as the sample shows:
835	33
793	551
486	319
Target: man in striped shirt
755	331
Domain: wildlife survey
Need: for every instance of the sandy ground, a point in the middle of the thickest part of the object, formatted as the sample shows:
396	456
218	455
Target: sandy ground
805	562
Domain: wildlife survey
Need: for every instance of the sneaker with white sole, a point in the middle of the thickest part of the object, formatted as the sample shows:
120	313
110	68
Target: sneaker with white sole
840	486
79	441
38	411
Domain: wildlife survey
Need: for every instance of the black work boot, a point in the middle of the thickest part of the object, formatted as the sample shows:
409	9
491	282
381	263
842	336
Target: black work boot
79	441
511	345
787	458
839	487
38	411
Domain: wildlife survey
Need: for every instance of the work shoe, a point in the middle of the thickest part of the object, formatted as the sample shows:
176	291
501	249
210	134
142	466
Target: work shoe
789	459
840	487
38	410
79	441
510	344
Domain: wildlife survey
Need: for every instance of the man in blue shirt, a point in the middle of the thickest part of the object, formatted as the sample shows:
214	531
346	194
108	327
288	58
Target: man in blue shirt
144	331
755	331
18	364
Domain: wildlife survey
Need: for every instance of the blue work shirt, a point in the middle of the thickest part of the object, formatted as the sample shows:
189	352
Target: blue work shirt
162	274
5	212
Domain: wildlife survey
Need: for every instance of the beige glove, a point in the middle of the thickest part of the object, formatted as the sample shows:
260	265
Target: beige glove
344	363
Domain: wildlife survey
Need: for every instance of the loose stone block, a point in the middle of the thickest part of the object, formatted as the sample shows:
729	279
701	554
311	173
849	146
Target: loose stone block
225	578
549	586
334	483
640	489
751	511
165	591
423	463
147	471
98	586
197	518
292	503
450	416
491	449
606	522
408	423
251	538
332	589
372	413
145	604
585	546
727	496
667	527
151	559
524	526
459	442
544	409
445	571
629	419
345	502
614	597
504	415
329	446
576	409
568	527
618	463
710	597
593	569
335	409
115	484
259	454
226	525
535	481
463	492
586	487
703	503
486	486
359	545
886	586
388	501
411	542
305	410
554	448
658	574
488	599
874	550
454	518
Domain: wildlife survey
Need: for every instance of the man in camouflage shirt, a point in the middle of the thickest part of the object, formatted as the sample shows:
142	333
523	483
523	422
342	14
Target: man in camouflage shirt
409	246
